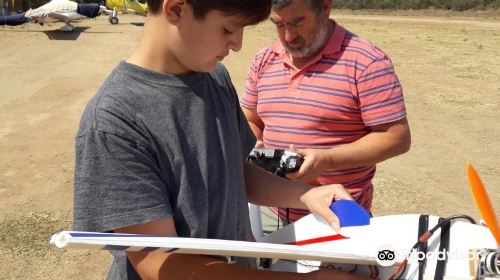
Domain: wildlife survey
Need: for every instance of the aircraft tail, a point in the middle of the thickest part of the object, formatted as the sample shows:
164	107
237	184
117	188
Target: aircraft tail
90	10
13	20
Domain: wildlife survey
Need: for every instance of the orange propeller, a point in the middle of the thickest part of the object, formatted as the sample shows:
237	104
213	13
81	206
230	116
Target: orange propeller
483	202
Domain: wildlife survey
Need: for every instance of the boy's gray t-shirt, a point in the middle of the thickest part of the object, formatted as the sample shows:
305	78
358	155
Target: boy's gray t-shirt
153	145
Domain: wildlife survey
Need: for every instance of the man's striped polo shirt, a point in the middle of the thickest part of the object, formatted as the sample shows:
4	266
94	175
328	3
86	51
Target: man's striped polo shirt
334	99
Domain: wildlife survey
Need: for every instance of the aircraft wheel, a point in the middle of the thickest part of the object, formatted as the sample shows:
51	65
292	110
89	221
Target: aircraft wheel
113	20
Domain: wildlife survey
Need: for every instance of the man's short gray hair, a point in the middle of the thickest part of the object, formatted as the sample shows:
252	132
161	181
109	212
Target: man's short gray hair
314	5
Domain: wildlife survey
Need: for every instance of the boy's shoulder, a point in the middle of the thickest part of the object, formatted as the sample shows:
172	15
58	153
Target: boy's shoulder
222	77
220	72
130	92
113	100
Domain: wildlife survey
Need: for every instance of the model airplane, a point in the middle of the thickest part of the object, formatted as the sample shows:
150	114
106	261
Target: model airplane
54	11
125	6
387	247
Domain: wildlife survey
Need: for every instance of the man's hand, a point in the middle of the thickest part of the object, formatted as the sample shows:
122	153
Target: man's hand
316	161
319	199
259	144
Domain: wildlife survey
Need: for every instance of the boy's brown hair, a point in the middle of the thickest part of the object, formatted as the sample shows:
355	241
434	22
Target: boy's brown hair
249	11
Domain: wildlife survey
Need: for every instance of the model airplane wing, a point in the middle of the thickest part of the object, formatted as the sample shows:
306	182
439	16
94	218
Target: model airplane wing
387	247
132	242
310	243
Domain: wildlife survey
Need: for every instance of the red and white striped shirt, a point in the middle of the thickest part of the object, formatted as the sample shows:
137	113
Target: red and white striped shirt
333	100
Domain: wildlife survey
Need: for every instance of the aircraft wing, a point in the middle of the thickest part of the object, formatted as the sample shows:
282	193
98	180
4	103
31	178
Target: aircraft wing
216	247
59	16
132	6
64	10
306	244
56	6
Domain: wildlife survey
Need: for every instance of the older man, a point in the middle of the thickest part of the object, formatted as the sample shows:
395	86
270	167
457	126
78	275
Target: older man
330	94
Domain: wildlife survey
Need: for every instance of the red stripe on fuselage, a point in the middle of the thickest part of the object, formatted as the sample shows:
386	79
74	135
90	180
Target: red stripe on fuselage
318	240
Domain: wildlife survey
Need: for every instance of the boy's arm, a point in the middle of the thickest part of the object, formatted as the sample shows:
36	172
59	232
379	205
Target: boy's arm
162	265
264	188
255	124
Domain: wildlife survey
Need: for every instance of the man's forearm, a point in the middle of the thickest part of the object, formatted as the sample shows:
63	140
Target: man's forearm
372	148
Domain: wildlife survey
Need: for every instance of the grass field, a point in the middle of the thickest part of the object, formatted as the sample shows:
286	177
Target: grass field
448	64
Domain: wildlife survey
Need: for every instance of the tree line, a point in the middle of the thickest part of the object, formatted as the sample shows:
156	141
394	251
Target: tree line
457	5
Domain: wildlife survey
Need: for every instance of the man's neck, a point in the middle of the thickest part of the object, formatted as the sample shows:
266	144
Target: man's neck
300	62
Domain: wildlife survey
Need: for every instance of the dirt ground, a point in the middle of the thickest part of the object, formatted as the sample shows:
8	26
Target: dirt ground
449	68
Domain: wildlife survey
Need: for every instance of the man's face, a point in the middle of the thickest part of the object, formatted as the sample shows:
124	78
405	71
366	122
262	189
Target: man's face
301	31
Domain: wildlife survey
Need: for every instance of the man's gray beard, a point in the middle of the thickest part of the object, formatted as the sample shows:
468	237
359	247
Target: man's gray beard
317	43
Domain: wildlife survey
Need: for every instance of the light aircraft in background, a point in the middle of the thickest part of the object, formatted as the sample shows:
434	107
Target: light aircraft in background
386	247
125	6
56	11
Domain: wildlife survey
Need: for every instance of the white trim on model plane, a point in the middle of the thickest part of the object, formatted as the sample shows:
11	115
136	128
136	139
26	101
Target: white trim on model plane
184	245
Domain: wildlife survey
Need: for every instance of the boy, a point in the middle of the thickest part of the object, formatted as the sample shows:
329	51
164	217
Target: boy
161	147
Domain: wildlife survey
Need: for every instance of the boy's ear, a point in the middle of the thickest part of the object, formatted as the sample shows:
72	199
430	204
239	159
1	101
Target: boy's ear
173	9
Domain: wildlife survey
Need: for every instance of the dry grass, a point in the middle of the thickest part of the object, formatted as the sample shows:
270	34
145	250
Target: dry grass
450	65
27	235
25	252
489	14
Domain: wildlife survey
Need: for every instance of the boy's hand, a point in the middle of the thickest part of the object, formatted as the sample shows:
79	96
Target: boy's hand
319	199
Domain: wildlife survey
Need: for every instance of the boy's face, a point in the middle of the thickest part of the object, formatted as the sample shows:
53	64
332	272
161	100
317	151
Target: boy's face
205	42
